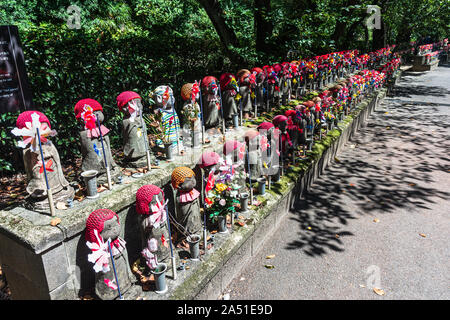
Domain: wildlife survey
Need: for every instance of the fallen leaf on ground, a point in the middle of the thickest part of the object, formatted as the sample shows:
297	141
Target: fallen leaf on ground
55	221
270	256
337	236
379	292
101	189
422	235
376	220
61	205
337	159
412	184
269	266
241	223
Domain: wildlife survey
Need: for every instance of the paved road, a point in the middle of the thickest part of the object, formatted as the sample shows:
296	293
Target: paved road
378	217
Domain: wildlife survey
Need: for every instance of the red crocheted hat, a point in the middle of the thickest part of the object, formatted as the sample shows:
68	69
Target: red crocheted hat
251	134
278	119
277	67
230	146
290	113
125	97
26	117
257	70
96	221
206	81
208	158
144	196
94	104
265	126
225	79
268	69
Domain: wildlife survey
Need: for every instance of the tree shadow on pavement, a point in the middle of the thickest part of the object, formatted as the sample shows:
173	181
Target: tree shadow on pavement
387	166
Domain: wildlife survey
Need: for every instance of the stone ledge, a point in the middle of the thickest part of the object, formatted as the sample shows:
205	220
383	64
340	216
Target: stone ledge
33	230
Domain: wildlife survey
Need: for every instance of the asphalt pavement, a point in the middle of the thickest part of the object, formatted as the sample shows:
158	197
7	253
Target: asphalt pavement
379	215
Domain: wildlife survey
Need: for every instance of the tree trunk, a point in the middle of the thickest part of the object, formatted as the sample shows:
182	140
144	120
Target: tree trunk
263	27
226	34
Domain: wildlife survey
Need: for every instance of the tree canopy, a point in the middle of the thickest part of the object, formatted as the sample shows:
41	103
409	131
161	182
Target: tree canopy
140	44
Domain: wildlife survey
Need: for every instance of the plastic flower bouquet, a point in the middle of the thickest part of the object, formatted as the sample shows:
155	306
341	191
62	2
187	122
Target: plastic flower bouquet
221	201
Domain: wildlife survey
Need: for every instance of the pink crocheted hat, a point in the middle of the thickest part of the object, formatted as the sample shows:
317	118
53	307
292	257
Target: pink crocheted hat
278	119
265	126
208	158
230	146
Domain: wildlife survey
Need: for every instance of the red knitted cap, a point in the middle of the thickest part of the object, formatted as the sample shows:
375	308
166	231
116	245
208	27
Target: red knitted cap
208	158
277	67
94	104
265	126
96	221
257	70
144	196
251	134
206	81
225	79
268	69
230	146
290	113
26	117
125	97
278	119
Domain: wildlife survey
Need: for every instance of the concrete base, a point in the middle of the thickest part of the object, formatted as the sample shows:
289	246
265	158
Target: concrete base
419	64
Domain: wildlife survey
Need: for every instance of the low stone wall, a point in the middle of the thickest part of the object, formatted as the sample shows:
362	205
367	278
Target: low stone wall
45	262
214	275
420	64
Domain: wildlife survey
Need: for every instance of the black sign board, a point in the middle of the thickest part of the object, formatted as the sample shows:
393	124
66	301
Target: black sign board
15	92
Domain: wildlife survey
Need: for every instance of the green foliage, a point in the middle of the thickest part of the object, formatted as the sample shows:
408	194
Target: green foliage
140	44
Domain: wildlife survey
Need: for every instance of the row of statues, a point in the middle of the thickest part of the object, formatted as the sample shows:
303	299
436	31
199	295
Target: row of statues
216	183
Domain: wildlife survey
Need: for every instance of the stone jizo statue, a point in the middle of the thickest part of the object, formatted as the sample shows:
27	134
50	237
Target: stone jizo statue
103	225
134	129
187	201
26	126
89	114
211	102
152	217
165	103
229	87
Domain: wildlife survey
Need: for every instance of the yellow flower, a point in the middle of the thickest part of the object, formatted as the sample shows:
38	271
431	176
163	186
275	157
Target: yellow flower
220	187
